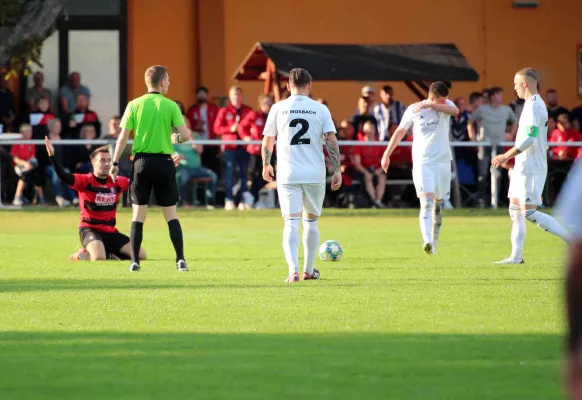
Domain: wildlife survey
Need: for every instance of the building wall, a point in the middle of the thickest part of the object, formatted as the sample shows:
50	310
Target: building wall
496	39
162	34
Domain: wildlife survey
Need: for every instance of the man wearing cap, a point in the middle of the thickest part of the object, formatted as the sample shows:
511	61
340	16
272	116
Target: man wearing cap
368	93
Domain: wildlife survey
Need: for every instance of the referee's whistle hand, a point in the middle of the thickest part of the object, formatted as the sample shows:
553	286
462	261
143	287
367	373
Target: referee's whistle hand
176	159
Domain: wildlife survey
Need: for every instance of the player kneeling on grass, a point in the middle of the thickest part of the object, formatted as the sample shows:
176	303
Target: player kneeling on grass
431	157
98	198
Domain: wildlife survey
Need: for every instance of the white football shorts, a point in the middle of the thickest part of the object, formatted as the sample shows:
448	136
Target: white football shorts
432	178
293	198
528	188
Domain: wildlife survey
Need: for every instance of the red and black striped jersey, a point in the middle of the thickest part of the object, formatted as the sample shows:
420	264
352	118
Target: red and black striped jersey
98	200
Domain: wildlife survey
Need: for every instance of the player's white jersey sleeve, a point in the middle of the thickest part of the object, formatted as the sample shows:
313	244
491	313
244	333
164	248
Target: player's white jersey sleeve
271	123
407	119
531	137
568	208
529	123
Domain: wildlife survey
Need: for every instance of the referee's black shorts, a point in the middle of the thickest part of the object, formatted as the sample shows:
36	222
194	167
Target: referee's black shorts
157	172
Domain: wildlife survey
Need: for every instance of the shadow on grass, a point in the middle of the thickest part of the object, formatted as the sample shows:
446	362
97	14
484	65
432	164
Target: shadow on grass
47	285
107	365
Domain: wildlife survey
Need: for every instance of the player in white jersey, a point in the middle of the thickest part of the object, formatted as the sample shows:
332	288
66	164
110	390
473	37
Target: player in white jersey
301	125
568	212
531	166
431	157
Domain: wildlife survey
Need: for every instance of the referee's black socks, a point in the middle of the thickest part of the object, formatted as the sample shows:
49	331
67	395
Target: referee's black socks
177	239
135	238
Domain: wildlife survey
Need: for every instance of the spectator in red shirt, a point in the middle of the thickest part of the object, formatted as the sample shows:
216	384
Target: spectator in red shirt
26	167
260	117
233	123
202	116
367	162
565	133
98	198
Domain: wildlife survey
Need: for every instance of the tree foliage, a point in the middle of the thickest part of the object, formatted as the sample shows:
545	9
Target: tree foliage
24	26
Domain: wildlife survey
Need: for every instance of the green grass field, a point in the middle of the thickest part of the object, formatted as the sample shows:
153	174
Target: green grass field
386	322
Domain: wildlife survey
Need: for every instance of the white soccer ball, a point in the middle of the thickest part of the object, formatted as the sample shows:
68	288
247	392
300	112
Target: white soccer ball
330	250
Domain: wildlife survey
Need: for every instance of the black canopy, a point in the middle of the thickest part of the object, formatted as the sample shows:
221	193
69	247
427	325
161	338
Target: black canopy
349	62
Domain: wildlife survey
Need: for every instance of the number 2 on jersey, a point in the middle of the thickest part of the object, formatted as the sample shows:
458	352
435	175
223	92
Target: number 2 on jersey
304	128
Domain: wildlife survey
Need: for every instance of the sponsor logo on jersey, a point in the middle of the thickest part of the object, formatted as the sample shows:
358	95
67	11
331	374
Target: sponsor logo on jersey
228	116
105	199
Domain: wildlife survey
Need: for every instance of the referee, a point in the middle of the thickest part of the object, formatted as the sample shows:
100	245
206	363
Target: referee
152	118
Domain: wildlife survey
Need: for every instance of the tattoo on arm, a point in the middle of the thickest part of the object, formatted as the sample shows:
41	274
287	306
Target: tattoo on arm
267	154
333	150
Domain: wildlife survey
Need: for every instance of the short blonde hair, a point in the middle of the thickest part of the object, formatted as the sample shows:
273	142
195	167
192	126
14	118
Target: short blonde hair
24	127
528	73
263	97
563	119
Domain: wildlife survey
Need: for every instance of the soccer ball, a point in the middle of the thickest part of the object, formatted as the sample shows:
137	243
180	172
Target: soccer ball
330	250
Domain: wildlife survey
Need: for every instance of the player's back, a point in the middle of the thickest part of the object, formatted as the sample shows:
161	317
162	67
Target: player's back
533	122
153	116
299	123
430	143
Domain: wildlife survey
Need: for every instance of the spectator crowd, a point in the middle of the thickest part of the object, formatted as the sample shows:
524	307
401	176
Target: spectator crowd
230	175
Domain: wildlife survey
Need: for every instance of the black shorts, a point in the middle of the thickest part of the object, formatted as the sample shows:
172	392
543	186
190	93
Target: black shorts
157	172
113	242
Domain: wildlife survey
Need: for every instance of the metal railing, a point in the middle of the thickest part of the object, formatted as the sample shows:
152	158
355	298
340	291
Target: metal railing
495	173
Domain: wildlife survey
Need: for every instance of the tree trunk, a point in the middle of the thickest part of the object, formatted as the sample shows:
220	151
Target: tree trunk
24	25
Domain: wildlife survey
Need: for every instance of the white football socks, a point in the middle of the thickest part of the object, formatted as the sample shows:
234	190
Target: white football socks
518	230
546	222
310	243
291	243
425	218
437	221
